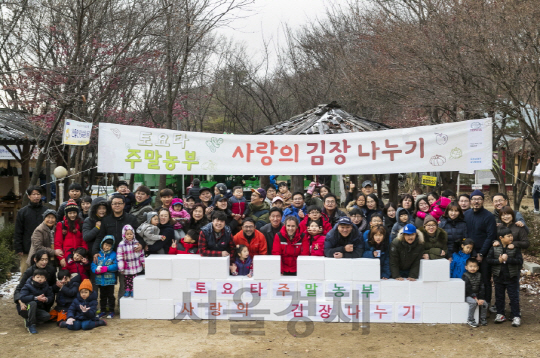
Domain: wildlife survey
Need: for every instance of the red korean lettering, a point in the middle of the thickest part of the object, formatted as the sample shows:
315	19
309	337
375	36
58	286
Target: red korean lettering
391	152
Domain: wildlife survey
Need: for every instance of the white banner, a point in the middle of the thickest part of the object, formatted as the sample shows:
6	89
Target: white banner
445	147
76	133
6	155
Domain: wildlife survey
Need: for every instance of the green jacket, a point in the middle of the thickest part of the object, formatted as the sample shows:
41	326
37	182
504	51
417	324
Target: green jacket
433	245
260	212
404	256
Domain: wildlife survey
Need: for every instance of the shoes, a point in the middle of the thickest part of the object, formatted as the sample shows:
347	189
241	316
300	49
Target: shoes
101	323
472	323
536	211
102	314
492	309
500	318
62	324
131	294
110	315
483	322
516	322
126	294
98	312
32	329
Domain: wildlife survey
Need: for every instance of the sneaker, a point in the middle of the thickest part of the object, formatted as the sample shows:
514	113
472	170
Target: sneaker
483	322
102	314
98	312
126	294
500	318
62	324
32	329
101	323
492	309
131	294
472	323
110	315
536	211
516	322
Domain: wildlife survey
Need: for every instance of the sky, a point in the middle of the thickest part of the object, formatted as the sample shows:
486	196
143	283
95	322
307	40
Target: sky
267	18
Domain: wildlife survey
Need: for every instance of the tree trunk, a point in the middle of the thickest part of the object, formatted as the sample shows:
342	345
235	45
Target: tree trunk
393	189
264	181
297	183
449	181
131	180
379	179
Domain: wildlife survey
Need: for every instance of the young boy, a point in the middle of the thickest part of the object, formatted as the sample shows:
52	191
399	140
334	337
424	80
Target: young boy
82	312
67	288
122	187
238	203
403	217
506	260
105	270
38	296
474	292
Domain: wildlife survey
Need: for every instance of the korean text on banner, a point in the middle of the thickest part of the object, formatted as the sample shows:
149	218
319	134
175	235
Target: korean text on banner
443	147
76	133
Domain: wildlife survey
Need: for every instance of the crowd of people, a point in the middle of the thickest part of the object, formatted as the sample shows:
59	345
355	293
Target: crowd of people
91	245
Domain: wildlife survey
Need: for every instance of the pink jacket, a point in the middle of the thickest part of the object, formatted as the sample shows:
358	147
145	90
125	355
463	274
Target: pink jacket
182	214
436	209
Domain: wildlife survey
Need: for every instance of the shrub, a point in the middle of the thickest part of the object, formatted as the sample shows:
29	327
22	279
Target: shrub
533	222
7	262
6	235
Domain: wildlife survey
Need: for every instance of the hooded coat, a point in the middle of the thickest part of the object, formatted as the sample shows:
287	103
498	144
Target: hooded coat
51	279
106	259
384	258
181	217
399	225
75	311
289	249
149	232
405	256
335	242
129	261
90	230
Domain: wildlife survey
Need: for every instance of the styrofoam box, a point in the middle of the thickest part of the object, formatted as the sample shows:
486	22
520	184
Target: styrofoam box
219	305
257	287
144	288
349	311
310	267
395	291
368	290
227	288
160	309
131	308
186	266
338	290
338	269
267	267
381	312
158	267
274	285
460	313
366	269
434	270
436	312
405	312
451	291
182	308
421	291
172	289
214	267
275	307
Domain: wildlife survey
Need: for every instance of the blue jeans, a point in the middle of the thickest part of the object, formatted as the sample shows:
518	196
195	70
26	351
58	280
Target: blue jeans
85	325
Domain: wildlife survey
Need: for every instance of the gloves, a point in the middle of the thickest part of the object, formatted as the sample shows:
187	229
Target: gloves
98	270
70	321
104	269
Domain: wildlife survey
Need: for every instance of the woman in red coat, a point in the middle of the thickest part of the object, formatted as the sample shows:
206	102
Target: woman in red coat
290	243
68	233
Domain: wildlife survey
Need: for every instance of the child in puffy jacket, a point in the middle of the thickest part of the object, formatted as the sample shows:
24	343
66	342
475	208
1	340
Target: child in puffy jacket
178	214
82	312
149	229
186	245
77	262
460	257
130	262
67	288
238	203
243	264
316	242
437	206
105	270
403	217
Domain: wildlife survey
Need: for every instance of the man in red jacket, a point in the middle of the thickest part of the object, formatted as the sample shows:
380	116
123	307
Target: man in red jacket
252	238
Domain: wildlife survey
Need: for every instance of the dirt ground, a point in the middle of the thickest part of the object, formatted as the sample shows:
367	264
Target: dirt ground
145	338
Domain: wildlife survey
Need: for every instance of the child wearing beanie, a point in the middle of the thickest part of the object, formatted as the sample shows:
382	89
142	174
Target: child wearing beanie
82	312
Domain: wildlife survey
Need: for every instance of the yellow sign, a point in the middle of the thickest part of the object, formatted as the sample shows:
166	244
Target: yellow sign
427	180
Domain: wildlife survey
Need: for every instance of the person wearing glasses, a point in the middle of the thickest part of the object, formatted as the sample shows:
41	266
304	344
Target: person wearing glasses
435	240
330	210
482	229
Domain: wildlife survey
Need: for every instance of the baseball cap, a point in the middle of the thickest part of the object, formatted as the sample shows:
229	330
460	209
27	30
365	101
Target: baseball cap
366	183
277	198
260	191
409	229
344	220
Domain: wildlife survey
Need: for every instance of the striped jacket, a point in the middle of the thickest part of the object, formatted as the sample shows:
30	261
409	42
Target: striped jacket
129	261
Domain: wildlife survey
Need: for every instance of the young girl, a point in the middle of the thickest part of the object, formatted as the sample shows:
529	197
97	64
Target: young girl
422	209
130	263
376	247
189	244
437	205
462	251
149	229
316	242
86	203
179	215
77	262
359	203
453	222
68	234
243	265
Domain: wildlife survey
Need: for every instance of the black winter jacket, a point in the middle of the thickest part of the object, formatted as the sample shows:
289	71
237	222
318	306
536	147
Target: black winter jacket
482	229
456	231
75	311
51	280
404	256
28	219
270	233
334	242
32	289
472	280
90	231
112	225
68	293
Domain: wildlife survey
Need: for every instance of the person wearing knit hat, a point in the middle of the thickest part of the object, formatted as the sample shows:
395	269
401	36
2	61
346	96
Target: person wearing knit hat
68	235
477	193
82	312
75	193
178	214
435	240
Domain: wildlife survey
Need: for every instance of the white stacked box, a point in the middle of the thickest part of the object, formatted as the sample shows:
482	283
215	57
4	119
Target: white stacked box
309	268
434	270
160	294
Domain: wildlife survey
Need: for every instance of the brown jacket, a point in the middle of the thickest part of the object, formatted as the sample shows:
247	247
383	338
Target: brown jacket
42	239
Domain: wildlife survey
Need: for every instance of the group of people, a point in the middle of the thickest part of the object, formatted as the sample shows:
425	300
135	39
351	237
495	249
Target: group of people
110	244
